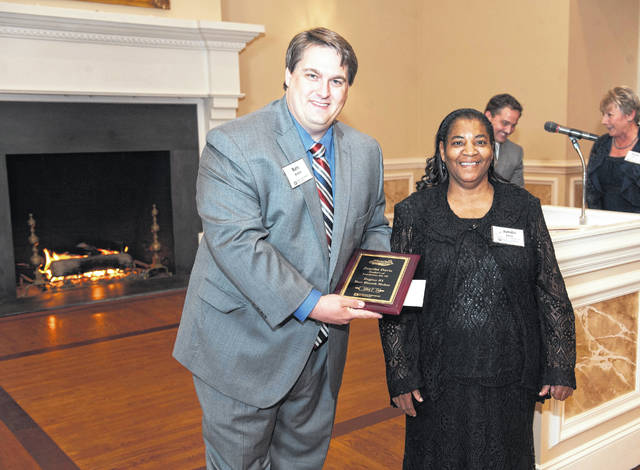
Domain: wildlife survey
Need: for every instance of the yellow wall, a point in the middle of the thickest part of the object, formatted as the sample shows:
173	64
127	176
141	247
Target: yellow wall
384	99
603	53
421	59
473	52
184	9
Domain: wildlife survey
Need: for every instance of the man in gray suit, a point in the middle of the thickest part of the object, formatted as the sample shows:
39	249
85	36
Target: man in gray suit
280	224
504	111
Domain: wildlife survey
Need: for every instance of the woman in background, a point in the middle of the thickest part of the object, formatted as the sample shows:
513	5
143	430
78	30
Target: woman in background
496	330
613	173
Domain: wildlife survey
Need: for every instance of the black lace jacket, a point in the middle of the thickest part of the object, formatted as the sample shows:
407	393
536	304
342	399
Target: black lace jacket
414	342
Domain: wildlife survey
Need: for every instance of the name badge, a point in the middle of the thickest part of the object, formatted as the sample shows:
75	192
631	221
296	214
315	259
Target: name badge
297	173
507	236
633	157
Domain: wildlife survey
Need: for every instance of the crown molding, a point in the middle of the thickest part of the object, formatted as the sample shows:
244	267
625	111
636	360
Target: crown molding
62	24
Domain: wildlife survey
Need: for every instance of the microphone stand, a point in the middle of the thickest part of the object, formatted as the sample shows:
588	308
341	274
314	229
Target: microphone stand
583	216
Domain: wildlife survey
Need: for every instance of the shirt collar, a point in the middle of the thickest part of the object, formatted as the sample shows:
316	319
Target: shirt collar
307	140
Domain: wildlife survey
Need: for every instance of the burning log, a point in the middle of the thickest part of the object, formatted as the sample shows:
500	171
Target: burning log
88	249
67	267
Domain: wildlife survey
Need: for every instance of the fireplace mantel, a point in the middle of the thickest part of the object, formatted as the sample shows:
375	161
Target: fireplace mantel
56	54
79	81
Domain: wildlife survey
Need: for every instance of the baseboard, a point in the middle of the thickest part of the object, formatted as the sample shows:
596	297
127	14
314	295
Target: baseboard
617	450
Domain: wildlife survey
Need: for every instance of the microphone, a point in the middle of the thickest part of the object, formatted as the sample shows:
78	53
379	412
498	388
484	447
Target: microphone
553	127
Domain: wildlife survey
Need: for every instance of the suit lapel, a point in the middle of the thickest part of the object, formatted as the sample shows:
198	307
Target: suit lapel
501	166
341	193
289	141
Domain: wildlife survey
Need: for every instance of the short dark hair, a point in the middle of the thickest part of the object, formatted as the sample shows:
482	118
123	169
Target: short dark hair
322	37
436	170
500	101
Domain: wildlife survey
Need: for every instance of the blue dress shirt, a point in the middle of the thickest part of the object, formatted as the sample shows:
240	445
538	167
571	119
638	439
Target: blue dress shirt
310	302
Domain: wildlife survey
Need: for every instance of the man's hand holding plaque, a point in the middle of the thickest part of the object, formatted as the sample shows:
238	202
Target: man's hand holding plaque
379	278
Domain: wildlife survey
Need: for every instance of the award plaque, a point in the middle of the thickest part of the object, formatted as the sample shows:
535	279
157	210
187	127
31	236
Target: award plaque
380	278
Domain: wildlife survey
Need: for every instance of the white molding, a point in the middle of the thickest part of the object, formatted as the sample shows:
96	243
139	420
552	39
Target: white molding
552	181
62	24
555	167
617	449
561	429
408	163
110	97
610	239
619	282
408	176
401	176
411	184
68	55
574	181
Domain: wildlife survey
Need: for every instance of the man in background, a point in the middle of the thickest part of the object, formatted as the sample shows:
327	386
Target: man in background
286	194
504	111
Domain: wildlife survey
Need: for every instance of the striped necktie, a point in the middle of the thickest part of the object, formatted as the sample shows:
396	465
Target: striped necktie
322	173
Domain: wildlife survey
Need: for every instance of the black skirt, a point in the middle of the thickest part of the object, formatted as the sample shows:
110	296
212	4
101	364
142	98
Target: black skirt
472	427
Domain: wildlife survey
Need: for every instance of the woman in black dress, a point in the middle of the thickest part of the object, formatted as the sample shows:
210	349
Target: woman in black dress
614	165
496	330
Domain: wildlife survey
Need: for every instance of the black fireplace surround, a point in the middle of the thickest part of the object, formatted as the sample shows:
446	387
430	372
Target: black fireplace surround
164	132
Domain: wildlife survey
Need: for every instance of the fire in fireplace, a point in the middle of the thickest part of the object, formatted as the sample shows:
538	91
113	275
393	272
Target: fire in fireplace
92	223
90	174
85	265
98	264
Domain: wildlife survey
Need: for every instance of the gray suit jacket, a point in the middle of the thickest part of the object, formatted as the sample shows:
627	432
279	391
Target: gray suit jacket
509	164
264	249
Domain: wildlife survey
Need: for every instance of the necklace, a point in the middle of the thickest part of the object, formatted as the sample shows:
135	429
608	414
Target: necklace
624	146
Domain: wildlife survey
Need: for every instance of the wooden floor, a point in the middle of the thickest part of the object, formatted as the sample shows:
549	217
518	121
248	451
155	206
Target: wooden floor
95	388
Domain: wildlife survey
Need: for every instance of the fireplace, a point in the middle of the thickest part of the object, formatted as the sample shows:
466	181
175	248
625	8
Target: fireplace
92	214
91	173
97	96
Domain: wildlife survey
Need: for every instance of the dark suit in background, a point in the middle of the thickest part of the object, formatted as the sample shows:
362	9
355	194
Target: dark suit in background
509	164
504	111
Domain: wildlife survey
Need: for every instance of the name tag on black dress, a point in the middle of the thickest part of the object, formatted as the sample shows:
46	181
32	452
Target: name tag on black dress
507	236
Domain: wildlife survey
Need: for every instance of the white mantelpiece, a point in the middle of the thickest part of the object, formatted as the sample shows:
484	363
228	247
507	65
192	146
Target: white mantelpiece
79	55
